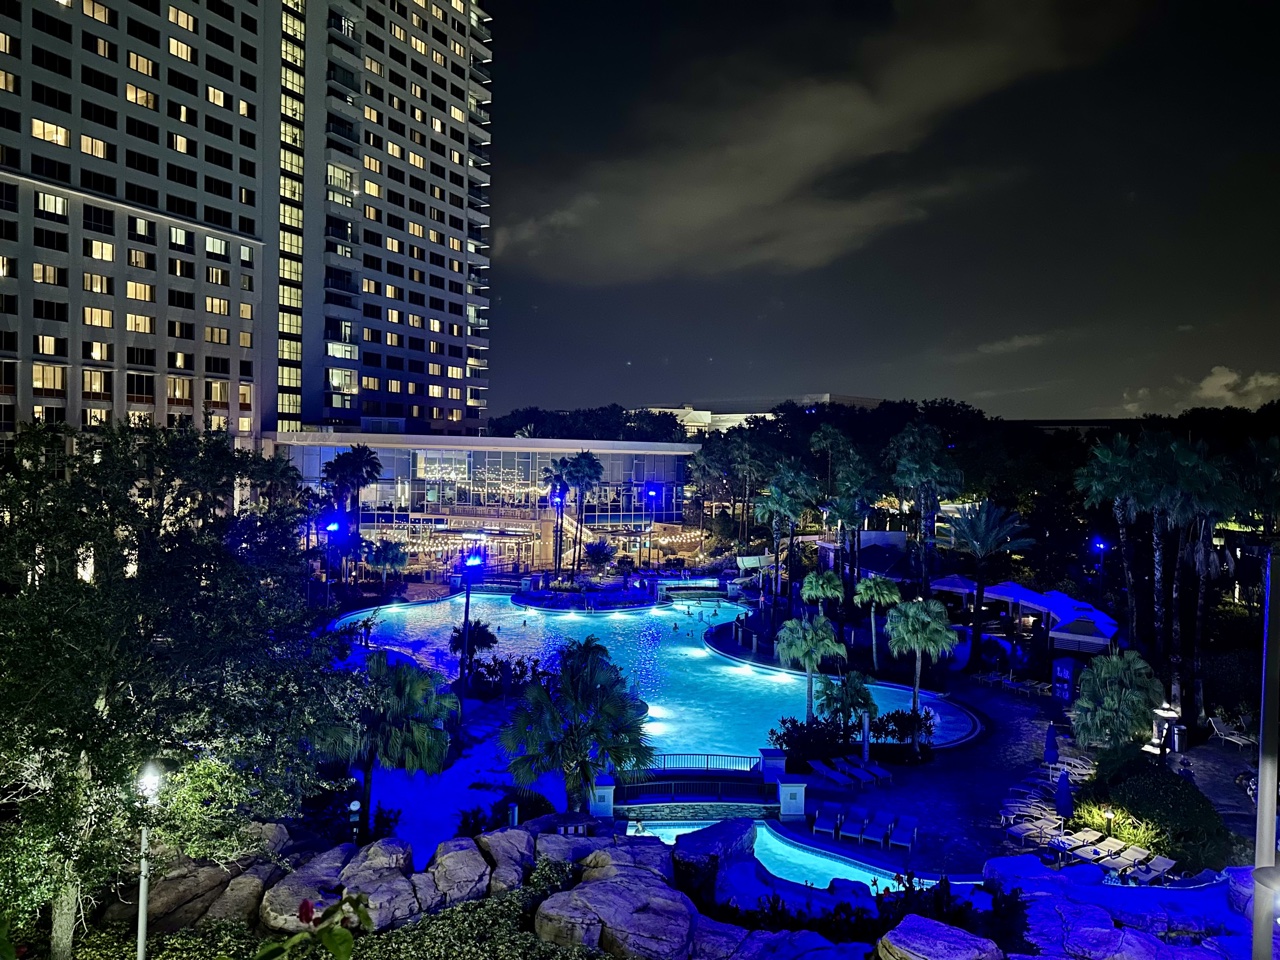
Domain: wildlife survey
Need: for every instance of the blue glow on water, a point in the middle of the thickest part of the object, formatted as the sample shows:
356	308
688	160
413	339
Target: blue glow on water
699	701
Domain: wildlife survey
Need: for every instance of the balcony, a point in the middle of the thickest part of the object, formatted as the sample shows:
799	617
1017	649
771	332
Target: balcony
343	78
480	71
481	32
478	114
342	26
480	153
337	233
345	132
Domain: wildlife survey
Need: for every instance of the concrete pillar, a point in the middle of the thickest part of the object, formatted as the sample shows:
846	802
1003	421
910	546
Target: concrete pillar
773	764
790	801
601	804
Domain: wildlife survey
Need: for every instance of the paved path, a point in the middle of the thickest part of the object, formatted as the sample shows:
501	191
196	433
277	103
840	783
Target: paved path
1222	771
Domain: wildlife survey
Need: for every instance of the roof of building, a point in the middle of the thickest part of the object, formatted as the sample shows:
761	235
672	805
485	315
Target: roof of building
400	441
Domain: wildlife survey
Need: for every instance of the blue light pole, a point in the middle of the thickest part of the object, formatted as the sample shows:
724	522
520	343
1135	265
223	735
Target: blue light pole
1101	546
468	567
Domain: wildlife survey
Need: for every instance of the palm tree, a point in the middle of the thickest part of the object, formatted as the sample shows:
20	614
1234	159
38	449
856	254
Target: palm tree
553	476
846	699
876	592
919	627
481	637
832	441
983	531
821	585
388	556
599	553
398	724
808	642
579	722
747	461
855	490
775	507
1110	477
802	493
346	475
1118	692
584	474
923	474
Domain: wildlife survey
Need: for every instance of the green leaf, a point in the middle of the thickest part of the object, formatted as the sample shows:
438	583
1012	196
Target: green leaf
338	941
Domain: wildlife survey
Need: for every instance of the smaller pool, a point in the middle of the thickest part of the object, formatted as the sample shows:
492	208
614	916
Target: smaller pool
784	857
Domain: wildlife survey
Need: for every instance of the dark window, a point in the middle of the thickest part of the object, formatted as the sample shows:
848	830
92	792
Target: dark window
221	365
248	225
217	216
248	80
95	113
8	229
182	331
99	220
218	128
9	305
220	37
49	310
183	299
98	182
140	31
183	82
143	195
51	97
248	168
142	130
98	80
180	174
152	5
50	169
373	311
10	120
8	196
141	387
248	139
220	67
246	368
219	157
140	356
140	161
180	207
53	26
217	187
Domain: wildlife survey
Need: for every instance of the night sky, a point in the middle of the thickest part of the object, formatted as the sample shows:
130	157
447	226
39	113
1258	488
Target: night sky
1045	209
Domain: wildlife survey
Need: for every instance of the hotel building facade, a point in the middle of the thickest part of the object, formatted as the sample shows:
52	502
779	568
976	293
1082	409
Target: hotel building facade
270	214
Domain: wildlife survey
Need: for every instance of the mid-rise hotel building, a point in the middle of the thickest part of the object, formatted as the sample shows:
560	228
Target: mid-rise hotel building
272	214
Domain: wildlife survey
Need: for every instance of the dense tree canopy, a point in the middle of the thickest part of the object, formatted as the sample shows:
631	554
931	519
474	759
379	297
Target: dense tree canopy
152	607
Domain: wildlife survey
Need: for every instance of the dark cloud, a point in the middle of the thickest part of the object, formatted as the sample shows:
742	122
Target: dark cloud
737	174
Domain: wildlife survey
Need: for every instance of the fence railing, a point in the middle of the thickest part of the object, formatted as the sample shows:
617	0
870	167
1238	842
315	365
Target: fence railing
670	791
705	761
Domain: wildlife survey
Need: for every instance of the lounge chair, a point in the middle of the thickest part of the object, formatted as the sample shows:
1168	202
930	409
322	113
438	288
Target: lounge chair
849	770
1154	869
1037	830
1092	853
989	678
1228	734
1126	859
1082	837
904	833
878	828
828	819
880	774
835	776
852	823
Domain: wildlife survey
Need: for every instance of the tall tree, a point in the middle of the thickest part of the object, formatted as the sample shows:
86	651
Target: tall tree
846	699
919	628
923	473
584	474
1118	693
876	592
398	725
821	585
579	722
775	508
801	491
388	556
857	487
982	532
830	440
171	619
466	646
1110	478
748	461
553	478
808	643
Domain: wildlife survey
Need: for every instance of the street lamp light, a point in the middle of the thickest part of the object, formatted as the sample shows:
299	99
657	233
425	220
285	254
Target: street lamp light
149	790
653	507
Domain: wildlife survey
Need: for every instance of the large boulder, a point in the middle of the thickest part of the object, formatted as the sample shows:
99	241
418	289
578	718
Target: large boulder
318	880
699	855
242	897
626	854
570	848
633	915
510	852
430	899
459	870
1092	943
184	882
797	945
271	837
1051	920
381	872
747	885
919	938
1240	889
713	940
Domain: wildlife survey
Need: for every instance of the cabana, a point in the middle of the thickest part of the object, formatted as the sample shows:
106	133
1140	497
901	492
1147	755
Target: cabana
1088	633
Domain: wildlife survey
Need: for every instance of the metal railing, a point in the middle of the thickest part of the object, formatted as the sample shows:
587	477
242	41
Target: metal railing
670	791
724	763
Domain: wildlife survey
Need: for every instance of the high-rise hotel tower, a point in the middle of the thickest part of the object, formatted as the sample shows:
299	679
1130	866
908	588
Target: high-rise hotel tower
272	213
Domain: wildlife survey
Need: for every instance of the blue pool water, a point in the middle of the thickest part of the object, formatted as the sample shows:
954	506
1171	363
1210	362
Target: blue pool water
783	857
699	702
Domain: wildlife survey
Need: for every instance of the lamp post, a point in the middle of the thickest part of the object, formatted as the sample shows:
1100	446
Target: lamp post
1100	545
468	566
1266	876
149	789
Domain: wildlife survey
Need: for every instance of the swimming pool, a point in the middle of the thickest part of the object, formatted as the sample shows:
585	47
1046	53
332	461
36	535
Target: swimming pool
699	702
784	857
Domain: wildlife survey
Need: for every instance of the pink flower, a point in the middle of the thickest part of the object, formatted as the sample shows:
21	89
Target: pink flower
306	911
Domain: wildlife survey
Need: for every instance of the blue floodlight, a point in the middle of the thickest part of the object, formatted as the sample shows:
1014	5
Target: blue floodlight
1099	545
653	493
333	527
474	560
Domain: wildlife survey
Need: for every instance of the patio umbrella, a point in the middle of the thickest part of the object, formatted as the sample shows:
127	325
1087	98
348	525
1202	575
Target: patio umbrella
1062	799
1051	745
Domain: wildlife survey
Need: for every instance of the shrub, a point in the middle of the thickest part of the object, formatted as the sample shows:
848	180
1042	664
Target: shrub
205	942
1154	808
530	804
814	740
897	726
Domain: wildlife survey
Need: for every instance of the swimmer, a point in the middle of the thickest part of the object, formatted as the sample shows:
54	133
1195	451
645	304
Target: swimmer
524	623
675	627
